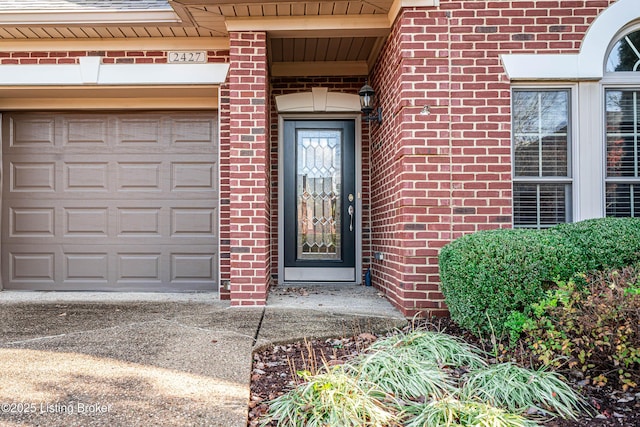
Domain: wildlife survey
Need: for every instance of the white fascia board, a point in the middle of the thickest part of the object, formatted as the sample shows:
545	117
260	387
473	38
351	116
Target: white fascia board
152	74
52	17
91	72
309	23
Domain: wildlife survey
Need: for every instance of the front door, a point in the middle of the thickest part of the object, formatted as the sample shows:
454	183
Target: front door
319	191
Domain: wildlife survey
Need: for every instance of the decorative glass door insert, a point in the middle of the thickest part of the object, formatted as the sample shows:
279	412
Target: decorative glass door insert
318	194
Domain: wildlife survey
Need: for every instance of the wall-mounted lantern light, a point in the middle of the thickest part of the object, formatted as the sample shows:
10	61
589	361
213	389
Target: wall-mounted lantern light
367	98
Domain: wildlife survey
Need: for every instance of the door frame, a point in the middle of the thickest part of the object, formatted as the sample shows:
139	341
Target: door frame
357	118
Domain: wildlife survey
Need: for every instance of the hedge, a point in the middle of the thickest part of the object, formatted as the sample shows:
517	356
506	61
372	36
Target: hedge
605	243
489	274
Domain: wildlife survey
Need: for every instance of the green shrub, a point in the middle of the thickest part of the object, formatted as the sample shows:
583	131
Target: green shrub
604	243
489	274
591	324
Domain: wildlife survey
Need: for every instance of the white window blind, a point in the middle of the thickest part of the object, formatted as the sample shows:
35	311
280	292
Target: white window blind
623	140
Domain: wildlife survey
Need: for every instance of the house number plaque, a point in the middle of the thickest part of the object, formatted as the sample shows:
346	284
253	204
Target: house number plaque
187	57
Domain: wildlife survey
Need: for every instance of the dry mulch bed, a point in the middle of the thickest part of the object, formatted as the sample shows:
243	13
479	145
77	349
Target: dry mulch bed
274	374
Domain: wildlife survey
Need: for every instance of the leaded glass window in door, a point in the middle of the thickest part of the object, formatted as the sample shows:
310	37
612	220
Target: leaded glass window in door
318	194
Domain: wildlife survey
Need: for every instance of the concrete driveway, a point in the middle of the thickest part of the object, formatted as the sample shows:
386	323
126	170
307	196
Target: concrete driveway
155	360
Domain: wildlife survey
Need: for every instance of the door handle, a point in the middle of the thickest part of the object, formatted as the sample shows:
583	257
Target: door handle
350	210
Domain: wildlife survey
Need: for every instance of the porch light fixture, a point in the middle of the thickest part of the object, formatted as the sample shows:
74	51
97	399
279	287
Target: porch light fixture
367	98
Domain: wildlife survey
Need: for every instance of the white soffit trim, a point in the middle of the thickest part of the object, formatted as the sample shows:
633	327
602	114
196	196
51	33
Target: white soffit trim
586	65
90	71
53	17
318	100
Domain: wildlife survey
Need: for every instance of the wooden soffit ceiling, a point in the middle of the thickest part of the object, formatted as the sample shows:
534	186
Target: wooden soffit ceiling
305	38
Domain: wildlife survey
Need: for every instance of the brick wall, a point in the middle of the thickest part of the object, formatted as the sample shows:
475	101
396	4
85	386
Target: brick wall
248	158
440	175
283	86
109	57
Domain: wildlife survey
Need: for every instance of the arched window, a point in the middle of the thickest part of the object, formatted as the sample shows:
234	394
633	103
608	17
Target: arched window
625	55
622	128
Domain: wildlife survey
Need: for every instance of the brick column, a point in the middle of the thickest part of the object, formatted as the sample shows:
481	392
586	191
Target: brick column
249	172
411	162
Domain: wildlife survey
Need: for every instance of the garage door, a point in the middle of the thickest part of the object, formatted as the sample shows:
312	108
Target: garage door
110	201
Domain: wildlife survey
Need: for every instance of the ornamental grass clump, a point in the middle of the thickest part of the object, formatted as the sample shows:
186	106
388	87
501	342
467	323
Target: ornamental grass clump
401	372
423	379
331	398
410	365
519	390
451	412
441	349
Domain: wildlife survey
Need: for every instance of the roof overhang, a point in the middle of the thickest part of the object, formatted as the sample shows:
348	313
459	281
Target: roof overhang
73	17
319	37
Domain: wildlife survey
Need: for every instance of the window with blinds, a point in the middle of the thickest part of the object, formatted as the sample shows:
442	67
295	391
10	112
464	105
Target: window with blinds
623	140
541	157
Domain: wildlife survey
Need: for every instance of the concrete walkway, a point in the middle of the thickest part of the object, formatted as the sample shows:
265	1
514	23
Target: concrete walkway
98	359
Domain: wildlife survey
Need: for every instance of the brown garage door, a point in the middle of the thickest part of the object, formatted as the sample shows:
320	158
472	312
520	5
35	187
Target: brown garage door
97	201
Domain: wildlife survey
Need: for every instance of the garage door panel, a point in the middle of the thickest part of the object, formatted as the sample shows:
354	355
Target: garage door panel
31	222
32	177
150	179
30	132
192	131
136	132
139	221
188	267
139	176
109	202
86	267
31	265
86	176
187	222
85	222
83	131
137	267
179	222
193	176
